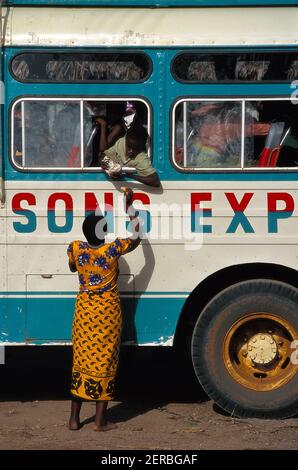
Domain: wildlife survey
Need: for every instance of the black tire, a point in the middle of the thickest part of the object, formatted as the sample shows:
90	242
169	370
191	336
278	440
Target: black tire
217	319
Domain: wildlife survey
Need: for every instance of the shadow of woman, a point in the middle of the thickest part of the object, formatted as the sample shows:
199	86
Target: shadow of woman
135	285
122	412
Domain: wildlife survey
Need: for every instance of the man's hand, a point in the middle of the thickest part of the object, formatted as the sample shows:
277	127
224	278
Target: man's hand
113	170
101	121
104	164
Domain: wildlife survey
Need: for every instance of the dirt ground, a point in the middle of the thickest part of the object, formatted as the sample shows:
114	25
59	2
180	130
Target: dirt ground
159	406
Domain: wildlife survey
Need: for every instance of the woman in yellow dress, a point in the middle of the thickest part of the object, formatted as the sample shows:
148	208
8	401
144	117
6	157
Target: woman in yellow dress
97	321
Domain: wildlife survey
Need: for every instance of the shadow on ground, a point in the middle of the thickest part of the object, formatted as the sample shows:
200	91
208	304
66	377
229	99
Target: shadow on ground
147	377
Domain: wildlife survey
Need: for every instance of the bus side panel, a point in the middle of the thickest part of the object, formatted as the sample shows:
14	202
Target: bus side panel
4	318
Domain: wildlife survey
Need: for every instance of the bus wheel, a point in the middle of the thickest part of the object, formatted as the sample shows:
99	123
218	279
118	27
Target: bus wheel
243	349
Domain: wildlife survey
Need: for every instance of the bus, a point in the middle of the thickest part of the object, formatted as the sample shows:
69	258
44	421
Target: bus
214	85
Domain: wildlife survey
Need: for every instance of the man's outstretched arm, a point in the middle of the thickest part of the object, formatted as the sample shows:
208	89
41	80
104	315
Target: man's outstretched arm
150	180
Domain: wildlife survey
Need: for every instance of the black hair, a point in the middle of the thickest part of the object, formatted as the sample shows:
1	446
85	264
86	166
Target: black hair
139	134
95	228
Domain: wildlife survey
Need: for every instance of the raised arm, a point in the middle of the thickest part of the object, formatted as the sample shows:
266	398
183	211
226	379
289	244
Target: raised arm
136	236
103	141
107	139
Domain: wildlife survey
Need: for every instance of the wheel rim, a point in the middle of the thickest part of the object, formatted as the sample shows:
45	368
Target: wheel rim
257	351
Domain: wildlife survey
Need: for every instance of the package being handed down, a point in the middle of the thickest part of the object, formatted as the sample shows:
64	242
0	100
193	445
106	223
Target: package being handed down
110	167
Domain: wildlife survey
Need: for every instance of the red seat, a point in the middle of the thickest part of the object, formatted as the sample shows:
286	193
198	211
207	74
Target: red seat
269	157
271	150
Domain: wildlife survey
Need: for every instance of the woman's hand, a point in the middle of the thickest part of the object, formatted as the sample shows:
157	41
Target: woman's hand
128	196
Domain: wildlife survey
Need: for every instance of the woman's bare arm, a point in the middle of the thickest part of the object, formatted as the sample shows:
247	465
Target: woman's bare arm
136	236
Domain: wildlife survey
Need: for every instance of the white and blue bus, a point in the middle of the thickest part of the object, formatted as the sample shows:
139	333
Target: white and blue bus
214	84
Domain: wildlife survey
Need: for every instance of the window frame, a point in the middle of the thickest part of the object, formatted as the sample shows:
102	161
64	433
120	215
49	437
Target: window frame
81	99
103	82
195	170
229	82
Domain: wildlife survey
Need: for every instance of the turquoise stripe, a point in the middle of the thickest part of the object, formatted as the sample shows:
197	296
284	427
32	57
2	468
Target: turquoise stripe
283	175
36	320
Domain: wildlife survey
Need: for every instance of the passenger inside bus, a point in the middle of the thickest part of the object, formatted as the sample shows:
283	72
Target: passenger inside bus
216	131
216	140
214	134
121	140
112	127
130	151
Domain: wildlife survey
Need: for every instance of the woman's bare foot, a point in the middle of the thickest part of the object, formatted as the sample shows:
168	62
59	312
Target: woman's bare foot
73	425
74	419
105	427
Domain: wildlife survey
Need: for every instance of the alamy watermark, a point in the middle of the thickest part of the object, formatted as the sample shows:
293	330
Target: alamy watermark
175	223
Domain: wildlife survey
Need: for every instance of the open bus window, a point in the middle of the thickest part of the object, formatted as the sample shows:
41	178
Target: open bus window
71	134
208	134
271	133
235	134
236	67
81	67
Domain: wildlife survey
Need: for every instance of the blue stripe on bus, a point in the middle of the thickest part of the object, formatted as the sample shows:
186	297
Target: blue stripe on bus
179	177
146	320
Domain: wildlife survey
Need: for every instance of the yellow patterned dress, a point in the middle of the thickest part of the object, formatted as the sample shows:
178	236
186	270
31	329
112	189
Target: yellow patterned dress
96	329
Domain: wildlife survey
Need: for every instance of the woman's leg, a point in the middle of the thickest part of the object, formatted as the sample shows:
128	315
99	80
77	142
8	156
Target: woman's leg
100	418
74	420
100	423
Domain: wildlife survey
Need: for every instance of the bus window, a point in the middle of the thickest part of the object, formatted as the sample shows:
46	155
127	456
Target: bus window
81	67
235	134
208	134
71	133
236	67
271	133
44	132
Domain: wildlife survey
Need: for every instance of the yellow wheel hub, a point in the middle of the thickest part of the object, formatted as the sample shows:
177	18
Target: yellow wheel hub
257	351
262	349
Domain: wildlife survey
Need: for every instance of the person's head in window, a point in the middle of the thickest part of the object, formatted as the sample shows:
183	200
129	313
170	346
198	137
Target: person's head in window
135	141
130	150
